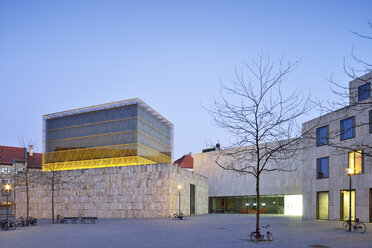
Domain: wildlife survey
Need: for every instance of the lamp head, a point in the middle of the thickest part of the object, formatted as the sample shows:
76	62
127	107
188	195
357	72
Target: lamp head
179	187
7	186
350	171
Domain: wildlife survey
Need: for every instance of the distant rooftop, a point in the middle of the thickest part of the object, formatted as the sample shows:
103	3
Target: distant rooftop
108	106
11	154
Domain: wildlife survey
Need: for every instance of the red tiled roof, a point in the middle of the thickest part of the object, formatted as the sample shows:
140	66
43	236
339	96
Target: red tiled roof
10	153
34	161
186	161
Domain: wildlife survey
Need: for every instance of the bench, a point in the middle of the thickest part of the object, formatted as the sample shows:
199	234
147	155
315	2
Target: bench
74	219
92	220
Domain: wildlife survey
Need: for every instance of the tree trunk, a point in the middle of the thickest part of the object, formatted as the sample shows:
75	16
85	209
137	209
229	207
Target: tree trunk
258	203
27	200
53	204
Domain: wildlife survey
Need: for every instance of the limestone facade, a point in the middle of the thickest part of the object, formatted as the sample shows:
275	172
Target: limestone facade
337	152
142	191
229	183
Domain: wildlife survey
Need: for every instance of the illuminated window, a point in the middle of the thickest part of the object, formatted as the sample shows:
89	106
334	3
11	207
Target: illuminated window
322	136
322	167
347	129
364	92
356	161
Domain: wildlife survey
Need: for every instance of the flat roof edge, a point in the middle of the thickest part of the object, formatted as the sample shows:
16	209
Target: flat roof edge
108	106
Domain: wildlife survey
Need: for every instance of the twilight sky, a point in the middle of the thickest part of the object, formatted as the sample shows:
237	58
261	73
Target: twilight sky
61	55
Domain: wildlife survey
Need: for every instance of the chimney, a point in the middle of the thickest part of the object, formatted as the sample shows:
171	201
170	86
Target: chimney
30	150
218	146
191	154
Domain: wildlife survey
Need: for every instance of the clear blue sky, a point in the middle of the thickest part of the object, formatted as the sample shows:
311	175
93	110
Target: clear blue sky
60	55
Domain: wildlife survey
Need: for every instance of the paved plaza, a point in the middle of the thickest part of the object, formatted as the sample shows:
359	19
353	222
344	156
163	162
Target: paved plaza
215	230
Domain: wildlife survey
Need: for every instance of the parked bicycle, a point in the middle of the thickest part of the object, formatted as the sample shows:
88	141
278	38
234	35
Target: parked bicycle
179	216
255	236
7	224
356	225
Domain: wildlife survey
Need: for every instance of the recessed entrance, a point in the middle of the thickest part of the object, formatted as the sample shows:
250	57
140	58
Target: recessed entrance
192	199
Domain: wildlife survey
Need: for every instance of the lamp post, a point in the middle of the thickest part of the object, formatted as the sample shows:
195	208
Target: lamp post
179	199
7	187
350	172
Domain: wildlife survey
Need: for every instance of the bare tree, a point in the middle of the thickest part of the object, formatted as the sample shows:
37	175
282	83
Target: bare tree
24	176
54	178
347	103
261	119
359	67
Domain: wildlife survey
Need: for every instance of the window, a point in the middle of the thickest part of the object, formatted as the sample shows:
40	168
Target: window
19	170
356	161
364	92
6	170
322	136
347	128
370	121
322	168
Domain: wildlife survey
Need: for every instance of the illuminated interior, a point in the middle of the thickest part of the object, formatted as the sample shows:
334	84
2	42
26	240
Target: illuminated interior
345	203
356	161
115	134
269	204
322	205
293	205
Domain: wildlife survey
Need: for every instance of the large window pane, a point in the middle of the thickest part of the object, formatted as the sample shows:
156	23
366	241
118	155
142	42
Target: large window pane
356	161
322	136
322	167
364	92
347	128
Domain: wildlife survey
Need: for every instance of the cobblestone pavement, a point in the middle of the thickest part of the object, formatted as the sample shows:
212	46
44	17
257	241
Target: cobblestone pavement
216	230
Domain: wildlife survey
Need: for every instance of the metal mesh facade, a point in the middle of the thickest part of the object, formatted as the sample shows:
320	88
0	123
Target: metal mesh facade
115	134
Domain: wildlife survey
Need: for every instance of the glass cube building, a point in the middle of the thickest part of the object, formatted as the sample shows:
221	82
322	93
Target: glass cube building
114	134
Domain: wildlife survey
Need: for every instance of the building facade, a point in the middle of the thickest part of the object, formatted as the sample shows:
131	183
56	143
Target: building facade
13	163
114	161
139	191
231	192
115	134
336	142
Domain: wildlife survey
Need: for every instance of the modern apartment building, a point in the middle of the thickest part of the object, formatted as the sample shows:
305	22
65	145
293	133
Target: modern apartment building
114	134
336	142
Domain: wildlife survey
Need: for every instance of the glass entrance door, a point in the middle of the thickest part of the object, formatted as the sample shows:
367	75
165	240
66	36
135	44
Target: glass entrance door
345	203
322	205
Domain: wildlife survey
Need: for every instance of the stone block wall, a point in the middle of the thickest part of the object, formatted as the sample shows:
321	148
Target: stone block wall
142	191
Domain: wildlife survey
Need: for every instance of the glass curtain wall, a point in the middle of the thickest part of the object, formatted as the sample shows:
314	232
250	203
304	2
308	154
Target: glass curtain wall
271	204
125	135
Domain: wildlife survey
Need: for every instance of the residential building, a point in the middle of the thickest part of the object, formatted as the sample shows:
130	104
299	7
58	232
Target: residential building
13	161
334	143
186	161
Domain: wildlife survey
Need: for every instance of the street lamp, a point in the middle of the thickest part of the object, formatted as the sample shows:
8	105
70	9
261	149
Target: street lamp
350	172
7	187
179	199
